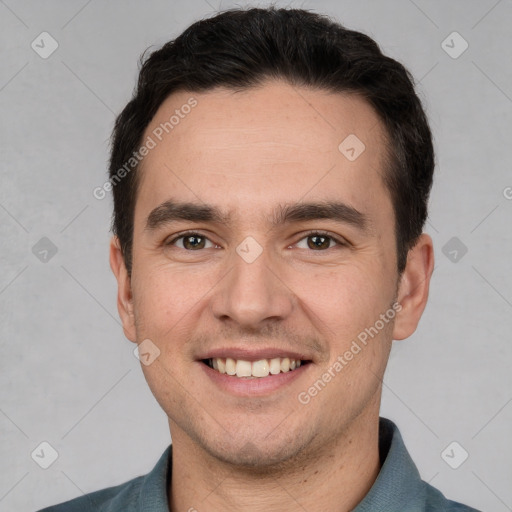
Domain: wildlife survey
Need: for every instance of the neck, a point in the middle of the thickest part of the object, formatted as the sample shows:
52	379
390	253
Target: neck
335	479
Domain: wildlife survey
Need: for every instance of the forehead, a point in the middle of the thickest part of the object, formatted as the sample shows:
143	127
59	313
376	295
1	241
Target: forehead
271	144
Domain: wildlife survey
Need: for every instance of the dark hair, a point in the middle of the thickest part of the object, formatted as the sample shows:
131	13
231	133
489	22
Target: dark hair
241	48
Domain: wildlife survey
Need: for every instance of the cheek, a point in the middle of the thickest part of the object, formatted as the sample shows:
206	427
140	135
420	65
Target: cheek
342	301
163	299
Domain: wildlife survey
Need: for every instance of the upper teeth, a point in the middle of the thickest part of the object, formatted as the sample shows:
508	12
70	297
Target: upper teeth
260	368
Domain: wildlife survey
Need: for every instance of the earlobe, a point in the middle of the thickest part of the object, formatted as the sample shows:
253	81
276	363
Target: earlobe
414	287
124	291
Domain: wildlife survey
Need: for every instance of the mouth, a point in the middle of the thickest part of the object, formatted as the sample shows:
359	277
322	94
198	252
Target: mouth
262	368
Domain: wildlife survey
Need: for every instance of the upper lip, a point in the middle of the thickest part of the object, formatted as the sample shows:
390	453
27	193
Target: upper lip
247	354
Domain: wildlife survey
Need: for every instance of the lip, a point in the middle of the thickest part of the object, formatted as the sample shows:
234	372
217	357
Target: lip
257	386
253	355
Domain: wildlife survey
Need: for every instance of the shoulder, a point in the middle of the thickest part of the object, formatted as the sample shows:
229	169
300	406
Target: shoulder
436	502
112	499
399	485
145	492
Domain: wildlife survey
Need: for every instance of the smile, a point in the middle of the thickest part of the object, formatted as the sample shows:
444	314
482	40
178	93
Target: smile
253	369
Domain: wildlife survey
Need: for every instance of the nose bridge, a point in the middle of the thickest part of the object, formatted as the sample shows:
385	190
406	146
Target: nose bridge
251	291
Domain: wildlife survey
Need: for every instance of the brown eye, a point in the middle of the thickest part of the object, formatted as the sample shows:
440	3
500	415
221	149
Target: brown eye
193	242
190	242
318	241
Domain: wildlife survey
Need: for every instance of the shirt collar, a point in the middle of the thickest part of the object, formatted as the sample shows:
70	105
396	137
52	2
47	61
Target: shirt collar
153	491
398	485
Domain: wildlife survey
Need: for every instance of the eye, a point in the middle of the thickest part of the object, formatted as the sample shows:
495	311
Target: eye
319	241
314	240
191	241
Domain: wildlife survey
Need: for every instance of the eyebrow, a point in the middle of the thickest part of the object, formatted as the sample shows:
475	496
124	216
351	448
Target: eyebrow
171	211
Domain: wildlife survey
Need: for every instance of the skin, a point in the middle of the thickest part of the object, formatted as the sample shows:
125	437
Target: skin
247	152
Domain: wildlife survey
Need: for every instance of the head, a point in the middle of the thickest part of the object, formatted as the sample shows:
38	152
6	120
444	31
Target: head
281	135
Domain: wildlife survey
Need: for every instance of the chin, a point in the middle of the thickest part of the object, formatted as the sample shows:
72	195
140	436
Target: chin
257	452
254	457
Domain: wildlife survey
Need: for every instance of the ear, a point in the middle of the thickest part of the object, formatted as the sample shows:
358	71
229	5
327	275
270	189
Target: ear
414	286
124	290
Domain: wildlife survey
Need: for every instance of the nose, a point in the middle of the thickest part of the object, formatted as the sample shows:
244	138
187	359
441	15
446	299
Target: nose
252	293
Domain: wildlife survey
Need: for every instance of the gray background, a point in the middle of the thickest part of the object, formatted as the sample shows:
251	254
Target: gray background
68	375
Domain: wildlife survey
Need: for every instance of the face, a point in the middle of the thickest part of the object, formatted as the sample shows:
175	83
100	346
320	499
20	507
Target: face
257	238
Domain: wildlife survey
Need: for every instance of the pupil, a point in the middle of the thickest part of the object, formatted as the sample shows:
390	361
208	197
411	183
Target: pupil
319	242
192	242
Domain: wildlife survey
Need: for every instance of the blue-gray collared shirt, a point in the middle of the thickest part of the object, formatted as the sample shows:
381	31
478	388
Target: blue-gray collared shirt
398	487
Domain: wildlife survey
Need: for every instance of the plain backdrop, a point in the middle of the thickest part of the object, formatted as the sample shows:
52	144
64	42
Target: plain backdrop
69	377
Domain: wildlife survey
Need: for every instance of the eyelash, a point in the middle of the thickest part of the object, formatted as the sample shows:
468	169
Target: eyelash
339	242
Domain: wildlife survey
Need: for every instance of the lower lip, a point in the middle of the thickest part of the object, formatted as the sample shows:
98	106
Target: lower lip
256	386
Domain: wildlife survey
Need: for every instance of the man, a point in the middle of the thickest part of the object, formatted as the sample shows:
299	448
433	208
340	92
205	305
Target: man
270	178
